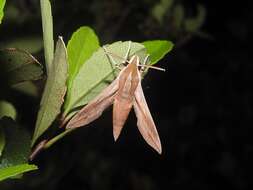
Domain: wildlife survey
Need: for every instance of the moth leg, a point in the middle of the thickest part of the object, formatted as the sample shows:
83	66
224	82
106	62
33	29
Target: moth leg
142	69
128	52
114	63
146	59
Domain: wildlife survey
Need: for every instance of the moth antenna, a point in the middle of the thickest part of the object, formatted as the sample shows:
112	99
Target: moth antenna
149	66
152	67
117	56
125	60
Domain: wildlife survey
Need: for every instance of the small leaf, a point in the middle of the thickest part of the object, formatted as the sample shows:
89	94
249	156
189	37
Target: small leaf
17	149
97	73
157	49
19	66
160	9
47	26
13	171
81	46
7	109
2	141
2	3
52	99
193	24
178	15
28	88
31	44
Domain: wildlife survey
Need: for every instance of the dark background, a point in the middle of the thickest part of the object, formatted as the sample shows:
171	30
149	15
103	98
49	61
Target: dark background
202	104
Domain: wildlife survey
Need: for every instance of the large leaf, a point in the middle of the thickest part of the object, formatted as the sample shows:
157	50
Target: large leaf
47	26
97	73
17	149
80	47
13	171
19	66
52	99
157	49
7	109
2	3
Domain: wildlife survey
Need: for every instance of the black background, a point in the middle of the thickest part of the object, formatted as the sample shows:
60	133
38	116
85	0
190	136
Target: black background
202	104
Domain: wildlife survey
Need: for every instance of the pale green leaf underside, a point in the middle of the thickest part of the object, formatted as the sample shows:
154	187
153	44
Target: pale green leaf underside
54	91
157	49
13	171
97	73
81	46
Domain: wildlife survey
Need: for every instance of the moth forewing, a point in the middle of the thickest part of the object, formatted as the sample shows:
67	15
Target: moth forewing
145	121
123	102
95	108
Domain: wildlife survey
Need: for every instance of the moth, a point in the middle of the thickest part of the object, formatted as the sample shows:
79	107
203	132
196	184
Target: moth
124	93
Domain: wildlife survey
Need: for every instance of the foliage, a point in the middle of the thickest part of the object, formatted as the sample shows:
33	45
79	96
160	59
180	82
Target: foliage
80	47
54	91
16	150
2	3
19	66
157	49
47	26
81	71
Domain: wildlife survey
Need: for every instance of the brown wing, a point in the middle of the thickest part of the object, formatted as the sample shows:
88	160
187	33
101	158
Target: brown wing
123	103
121	109
145	121
95	108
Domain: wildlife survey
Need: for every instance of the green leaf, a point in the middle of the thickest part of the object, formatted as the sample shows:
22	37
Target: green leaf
160	9
13	171
7	109
193	24
17	148
16	152
2	3
157	49
2	141
47	26
52	99
97	73
19	66
81	46
178	15
31	44
28	88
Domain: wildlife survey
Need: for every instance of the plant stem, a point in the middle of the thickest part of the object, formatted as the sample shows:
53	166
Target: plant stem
58	137
47	26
